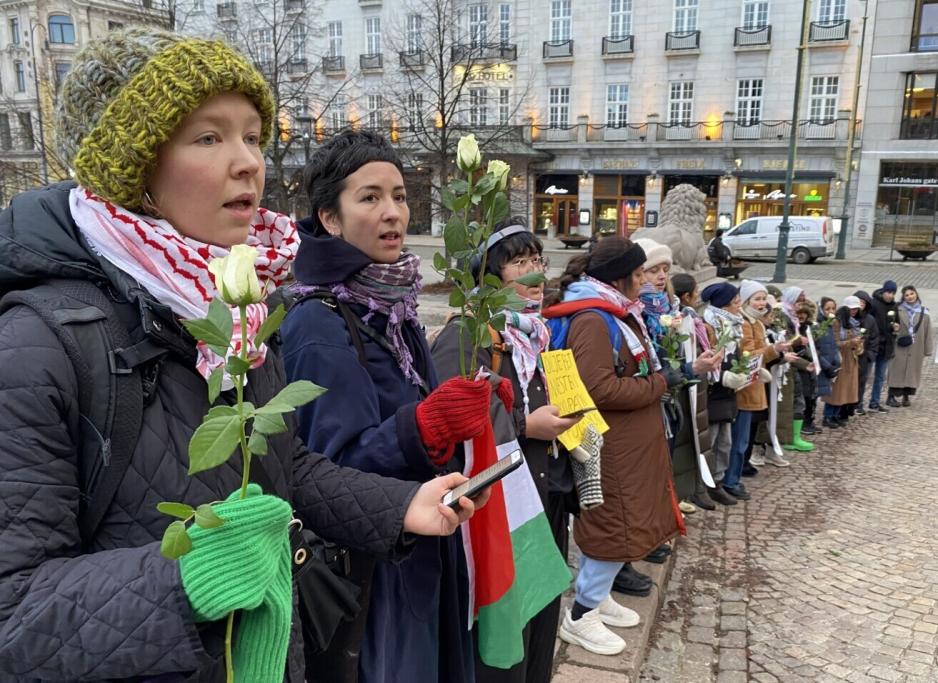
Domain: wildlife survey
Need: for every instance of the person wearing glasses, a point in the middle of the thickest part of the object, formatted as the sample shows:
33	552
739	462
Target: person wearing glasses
514	251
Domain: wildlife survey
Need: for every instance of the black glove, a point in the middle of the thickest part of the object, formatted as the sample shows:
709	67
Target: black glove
673	376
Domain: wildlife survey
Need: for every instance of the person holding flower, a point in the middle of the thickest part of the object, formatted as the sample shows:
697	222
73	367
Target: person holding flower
513	251
383	411
914	343
869	328
639	512
750	399
887	323
165	135
846	333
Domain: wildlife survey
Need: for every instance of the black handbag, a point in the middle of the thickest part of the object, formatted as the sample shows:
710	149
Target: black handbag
320	570
907	339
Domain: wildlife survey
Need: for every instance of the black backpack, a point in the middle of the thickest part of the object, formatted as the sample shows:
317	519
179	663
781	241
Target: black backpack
116	378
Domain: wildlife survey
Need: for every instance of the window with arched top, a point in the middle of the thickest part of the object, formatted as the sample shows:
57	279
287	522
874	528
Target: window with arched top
61	29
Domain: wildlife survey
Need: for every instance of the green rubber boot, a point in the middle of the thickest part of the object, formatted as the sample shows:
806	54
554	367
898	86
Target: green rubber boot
797	443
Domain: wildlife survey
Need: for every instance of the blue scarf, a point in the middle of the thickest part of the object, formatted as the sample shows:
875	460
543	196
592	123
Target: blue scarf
656	305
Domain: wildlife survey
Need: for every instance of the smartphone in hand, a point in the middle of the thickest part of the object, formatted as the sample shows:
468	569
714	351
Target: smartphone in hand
474	486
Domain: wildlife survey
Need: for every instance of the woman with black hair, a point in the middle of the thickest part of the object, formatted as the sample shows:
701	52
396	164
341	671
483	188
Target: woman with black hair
354	330
618	364
533	422
914	343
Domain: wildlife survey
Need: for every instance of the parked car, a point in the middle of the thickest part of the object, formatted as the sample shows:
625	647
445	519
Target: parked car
810	238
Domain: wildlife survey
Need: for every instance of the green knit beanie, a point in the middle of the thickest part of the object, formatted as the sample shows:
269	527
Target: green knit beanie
244	566
126	94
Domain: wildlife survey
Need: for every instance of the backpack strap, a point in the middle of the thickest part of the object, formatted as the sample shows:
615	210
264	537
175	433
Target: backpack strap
107	366
353	323
560	328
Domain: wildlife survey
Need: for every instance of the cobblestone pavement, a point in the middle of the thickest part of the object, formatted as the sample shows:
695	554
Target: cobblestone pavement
923	276
829	573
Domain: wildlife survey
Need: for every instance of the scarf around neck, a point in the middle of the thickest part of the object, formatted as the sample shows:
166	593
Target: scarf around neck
528	335
656	305
790	298
389	289
724	322
173	268
912	310
590	288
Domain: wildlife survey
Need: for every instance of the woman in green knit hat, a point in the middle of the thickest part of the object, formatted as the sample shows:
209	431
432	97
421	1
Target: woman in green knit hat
165	135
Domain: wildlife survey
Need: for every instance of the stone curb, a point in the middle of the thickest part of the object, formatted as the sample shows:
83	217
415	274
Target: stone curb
573	664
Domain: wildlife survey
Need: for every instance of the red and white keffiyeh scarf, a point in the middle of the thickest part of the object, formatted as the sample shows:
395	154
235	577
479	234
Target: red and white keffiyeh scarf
174	268
528	336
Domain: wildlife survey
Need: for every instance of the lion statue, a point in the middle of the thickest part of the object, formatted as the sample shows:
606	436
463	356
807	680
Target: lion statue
681	226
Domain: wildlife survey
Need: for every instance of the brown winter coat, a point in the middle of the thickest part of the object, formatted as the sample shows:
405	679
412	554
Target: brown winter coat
753	397
846	385
905	370
640	510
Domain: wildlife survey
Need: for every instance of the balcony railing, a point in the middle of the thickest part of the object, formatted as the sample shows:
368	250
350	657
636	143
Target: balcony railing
687	40
297	66
825	31
371	62
226	10
293	5
727	132
462	52
925	42
624	45
333	64
918	129
414	59
752	36
558	48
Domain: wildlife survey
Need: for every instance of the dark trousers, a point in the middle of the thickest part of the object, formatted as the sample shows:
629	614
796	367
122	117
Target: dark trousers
540	634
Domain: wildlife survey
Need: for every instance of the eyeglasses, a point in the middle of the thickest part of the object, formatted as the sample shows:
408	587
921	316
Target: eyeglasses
536	262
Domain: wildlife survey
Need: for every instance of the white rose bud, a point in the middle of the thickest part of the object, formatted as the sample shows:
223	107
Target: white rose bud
666	320
236	278
891	314
499	169
468	157
831	316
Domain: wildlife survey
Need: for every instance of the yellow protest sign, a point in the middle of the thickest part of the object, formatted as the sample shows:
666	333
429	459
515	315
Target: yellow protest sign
569	394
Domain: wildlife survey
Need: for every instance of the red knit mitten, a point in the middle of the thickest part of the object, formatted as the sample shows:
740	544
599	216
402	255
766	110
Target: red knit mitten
455	411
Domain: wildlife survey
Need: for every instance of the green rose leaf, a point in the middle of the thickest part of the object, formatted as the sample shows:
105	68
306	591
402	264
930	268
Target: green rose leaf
270	325
457	299
447	197
461	202
205	330
296	394
214	384
176	541
455	236
237	365
459	186
213	442
532	279
257	444
468	282
268	423
498	322
492	280
219	314
486	184
206	518
222	411
501	207
440	262
180	510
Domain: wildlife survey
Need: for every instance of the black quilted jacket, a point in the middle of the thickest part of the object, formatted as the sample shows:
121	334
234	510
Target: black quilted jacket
117	611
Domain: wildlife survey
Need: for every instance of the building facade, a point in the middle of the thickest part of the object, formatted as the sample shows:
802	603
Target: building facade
897	199
601	106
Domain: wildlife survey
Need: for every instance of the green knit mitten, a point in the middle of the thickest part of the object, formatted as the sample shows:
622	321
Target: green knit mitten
245	565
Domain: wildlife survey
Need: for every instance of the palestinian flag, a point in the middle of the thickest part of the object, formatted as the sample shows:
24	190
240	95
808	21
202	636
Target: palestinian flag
515	568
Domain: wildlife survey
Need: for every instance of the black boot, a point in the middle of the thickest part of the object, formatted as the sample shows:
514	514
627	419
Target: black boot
659	554
892	402
631	582
702	500
718	495
906	402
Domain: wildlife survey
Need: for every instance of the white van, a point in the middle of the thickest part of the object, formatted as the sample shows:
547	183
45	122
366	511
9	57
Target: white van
811	237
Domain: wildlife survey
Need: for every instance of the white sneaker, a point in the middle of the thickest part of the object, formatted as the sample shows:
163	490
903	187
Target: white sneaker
776	460
613	614
589	633
759	460
687	508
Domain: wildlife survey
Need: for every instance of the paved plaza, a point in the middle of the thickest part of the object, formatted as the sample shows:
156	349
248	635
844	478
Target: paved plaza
829	573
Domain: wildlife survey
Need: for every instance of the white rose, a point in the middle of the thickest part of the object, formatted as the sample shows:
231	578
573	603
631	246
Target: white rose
666	320
468	157
499	169
235	276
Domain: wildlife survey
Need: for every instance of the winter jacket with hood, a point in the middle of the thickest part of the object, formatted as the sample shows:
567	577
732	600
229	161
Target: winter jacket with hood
116	609
871	340
886	347
417	611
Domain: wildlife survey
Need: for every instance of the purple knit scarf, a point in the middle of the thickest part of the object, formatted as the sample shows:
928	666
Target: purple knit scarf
390	289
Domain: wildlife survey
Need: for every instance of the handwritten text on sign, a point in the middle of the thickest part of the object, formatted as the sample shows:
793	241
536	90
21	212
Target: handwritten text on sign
569	394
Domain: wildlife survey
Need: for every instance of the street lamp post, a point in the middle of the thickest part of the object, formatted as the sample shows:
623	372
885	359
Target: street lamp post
851	136
42	134
781	254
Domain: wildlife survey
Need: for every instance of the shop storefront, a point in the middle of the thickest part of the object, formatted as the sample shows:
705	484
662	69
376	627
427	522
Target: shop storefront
555	204
709	184
906	203
763	197
618	202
